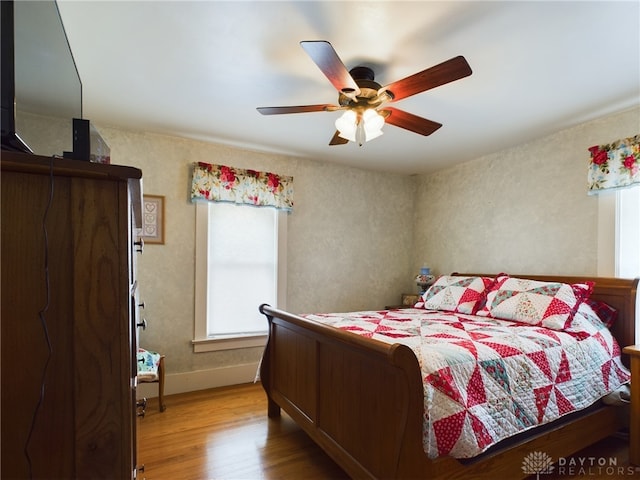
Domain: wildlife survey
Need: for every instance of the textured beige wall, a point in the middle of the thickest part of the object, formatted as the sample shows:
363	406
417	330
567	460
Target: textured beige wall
349	238
356	238
522	210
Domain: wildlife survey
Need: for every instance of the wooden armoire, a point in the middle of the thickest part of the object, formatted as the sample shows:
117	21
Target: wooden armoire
68	318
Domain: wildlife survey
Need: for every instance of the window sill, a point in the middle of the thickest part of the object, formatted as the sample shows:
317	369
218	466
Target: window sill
228	343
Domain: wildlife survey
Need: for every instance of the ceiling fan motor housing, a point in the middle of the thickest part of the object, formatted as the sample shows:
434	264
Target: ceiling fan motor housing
362	73
369	97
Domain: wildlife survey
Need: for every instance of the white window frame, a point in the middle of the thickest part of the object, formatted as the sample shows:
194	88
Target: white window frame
609	232
610	229
628	233
201	341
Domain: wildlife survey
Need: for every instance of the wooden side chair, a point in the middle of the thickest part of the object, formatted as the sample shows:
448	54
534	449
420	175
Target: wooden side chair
151	370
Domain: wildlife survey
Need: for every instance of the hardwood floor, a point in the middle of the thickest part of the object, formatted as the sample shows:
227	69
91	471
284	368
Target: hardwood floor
225	433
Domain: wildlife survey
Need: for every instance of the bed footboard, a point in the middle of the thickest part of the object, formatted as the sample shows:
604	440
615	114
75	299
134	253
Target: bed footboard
338	387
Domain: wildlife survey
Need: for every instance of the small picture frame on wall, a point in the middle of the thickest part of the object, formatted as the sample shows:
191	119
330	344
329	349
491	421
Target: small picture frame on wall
153	219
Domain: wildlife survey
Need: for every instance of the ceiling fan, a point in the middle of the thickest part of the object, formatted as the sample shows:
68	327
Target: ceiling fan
364	100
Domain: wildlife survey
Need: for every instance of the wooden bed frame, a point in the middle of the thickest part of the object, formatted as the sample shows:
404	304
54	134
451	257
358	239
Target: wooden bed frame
333	383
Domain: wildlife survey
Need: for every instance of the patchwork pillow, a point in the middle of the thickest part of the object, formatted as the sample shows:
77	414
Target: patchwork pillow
456	294
549	304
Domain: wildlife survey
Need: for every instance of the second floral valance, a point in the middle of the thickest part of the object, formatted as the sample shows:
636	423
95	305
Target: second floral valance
615	165
220	183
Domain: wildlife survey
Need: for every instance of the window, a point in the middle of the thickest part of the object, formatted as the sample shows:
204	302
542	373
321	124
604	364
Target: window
240	264
628	233
619	237
627	239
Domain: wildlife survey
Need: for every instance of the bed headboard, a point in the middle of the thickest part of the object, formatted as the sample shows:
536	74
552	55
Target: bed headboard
620	293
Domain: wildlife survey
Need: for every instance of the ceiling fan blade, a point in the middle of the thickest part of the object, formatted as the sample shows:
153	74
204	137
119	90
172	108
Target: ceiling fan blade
337	139
326	58
446	72
411	122
296	109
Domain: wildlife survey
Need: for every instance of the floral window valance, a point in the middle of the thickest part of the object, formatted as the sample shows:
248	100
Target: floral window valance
219	183
615	165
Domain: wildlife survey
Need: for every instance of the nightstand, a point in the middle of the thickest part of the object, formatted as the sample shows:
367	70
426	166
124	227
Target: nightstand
634	422
408	301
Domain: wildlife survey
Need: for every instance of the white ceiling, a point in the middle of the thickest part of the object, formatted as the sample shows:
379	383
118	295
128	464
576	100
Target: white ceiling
199	69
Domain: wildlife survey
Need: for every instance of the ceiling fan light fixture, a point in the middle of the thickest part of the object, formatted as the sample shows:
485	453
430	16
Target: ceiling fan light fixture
360	130
373	134
373	121
346	125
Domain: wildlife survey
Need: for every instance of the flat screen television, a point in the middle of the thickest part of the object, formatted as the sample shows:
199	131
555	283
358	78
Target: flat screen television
39	76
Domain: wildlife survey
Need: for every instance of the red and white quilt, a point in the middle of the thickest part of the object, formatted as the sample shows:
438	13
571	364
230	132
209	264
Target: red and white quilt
487	379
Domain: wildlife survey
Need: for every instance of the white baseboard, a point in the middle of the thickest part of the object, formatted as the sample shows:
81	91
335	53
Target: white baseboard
200	380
